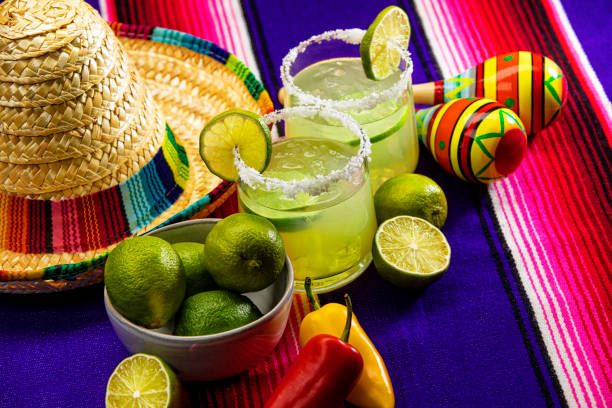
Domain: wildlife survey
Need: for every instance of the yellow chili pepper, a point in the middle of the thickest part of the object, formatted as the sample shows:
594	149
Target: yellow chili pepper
374	388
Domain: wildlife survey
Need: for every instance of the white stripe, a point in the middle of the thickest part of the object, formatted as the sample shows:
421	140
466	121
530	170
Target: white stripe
536	295
594	82
103	10
222	24
549	271
241	30
442	49
436	46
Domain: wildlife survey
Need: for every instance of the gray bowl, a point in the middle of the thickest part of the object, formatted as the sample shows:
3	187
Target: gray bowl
215	356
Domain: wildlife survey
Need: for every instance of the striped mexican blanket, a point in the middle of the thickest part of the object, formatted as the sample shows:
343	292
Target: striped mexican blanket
522	317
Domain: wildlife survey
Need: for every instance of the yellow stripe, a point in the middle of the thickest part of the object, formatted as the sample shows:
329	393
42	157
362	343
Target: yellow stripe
434	128
524	88
551	106
489	78
456	136
179	171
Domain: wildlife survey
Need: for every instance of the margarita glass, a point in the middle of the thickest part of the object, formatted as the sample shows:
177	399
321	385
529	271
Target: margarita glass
326	70
317	193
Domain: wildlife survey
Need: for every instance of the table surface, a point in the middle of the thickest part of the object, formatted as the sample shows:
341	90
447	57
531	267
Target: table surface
482	335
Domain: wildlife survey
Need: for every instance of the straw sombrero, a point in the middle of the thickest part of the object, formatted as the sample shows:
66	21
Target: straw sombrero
99	136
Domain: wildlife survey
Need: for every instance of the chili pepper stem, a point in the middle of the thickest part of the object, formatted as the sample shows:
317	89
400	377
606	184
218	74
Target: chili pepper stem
311	299
349	318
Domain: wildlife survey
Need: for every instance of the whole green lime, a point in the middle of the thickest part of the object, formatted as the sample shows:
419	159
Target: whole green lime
145	280
244	253
214	311
192	256
411	194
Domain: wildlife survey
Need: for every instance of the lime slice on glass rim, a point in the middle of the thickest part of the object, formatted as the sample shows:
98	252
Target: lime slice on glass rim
379	54
143	380
409	252
235	129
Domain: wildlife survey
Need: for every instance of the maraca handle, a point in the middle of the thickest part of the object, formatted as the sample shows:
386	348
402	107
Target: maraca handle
281	96
425	94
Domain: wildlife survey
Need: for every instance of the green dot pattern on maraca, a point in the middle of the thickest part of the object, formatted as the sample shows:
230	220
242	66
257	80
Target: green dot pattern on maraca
531	85
477	140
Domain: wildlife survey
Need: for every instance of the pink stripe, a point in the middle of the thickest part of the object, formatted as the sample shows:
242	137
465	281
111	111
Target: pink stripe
562	266
472	14
523	257
556	289
204	26
431	19
537	296
574	169
215	15
225	24
245	55
58	225
478	55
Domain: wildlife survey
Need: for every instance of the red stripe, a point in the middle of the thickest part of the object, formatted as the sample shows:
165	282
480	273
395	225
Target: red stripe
438	92
510	39
536	95
479	85
554	156
445	131
467	138
547	215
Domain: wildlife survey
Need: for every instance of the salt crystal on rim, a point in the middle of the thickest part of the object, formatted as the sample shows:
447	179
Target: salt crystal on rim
314	185
350	36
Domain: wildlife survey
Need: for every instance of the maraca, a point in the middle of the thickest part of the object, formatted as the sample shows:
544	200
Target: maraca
531	85
475	139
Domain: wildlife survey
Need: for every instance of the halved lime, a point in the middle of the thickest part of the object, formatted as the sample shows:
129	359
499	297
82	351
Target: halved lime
409	252
235	129
143	380
379	55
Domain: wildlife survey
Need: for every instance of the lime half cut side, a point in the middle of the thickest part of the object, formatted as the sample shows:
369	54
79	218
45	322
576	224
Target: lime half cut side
409	252
230	130
143	380
379	54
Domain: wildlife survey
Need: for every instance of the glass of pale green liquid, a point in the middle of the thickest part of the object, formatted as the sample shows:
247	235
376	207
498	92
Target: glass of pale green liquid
326	70
317	193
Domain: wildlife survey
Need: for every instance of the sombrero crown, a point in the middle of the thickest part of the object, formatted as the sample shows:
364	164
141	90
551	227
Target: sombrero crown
86	158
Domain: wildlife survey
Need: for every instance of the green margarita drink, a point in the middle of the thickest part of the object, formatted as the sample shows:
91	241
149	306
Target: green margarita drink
318	195
382	108
327	236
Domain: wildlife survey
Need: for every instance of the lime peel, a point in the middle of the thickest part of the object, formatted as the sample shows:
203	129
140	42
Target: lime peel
231	131
382	45
410	252
134	381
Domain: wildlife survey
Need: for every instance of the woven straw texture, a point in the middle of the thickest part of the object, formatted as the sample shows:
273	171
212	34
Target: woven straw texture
99	123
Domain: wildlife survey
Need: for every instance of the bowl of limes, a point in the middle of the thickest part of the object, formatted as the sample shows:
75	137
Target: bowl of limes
210	297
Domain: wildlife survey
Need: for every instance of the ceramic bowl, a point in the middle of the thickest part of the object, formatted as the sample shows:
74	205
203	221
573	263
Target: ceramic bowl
215	356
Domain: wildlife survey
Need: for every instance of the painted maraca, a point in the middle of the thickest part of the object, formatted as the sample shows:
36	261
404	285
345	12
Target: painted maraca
531	85
475	139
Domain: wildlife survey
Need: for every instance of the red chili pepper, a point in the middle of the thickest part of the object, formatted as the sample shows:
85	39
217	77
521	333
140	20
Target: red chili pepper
323	374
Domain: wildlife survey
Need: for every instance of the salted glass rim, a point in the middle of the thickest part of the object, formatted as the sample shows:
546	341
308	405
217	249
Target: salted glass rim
315	185
350	36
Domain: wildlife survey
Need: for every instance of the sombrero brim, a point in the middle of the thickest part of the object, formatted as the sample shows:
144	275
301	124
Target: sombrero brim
191	80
